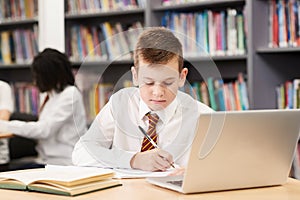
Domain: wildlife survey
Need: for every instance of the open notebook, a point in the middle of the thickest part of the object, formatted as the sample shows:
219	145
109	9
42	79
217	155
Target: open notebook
63	180
239	149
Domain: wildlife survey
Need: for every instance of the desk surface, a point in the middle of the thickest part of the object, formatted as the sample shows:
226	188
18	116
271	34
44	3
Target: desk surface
5	135
141	190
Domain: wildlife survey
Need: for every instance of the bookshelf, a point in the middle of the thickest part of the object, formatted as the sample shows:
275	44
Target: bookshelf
264	67
19	40
150	14
260	64
271	66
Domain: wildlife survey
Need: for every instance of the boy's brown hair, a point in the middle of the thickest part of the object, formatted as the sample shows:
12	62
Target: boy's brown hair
158	45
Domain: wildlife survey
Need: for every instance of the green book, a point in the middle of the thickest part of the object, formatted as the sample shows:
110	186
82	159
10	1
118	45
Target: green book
211	93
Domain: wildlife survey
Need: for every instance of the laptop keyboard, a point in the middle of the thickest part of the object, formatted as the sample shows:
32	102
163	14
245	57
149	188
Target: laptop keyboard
178	183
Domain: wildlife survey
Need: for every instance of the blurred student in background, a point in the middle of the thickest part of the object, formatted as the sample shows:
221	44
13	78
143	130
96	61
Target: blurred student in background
6	108
62	116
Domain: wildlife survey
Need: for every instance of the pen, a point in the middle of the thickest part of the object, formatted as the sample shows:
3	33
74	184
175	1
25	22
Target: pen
151	141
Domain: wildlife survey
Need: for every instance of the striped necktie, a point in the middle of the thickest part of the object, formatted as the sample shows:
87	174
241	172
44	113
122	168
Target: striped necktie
153	119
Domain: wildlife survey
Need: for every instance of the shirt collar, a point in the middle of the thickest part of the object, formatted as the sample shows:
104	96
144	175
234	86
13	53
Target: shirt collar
164	115
53	93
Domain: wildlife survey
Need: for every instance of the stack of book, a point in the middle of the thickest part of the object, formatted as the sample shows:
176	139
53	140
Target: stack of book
62	180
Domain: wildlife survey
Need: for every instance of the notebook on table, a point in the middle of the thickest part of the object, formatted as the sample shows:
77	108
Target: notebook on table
238	149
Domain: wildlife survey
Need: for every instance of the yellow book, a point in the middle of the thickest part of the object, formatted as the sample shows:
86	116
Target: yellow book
62	180
89	44
5	47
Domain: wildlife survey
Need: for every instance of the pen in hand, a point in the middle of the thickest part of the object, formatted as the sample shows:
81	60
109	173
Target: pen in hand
151	141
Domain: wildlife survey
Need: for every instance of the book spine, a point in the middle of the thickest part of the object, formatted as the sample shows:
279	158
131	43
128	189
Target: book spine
211	92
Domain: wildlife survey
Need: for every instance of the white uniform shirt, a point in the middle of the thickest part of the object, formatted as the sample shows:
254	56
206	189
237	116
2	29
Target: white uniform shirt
114	137
6	103
61	123
6	97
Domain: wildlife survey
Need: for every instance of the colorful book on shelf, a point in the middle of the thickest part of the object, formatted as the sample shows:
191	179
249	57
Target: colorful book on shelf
211	93
211	33
237	98
231	31
89	43
296	87
282	23
204	93
275	28
219	94
196	90
5	48
107	33
96	42
288	94
240	34
243	92
280	96
61	180
227	99
122	41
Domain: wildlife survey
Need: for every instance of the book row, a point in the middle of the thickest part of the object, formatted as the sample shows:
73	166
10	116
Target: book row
214	92
18	46
209	32
176	2
27	98
220	95
284	23
201	33
95	98
18	9
288	94
102	42
93	6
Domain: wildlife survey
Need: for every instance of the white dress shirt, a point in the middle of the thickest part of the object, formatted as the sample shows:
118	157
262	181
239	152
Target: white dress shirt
6	97
114	137
6	103
61	123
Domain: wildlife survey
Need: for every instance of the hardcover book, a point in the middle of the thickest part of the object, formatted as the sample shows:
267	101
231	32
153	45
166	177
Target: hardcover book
68	180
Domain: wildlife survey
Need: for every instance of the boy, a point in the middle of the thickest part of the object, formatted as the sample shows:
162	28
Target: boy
114	139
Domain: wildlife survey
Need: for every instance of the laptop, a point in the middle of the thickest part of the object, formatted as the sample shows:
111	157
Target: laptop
238	149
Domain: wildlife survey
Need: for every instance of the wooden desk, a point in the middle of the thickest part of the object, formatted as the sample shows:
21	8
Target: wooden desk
5	135
139	189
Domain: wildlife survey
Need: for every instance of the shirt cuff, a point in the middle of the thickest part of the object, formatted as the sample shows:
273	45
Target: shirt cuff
125	159
3	126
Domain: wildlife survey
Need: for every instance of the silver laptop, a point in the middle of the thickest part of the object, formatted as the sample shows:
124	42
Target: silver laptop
238	149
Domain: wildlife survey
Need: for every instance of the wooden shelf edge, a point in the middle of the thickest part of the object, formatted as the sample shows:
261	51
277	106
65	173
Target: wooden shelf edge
194	59
18	21
104	13
278	50
198	4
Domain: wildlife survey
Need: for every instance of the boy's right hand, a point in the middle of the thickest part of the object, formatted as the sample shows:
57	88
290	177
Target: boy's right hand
153	160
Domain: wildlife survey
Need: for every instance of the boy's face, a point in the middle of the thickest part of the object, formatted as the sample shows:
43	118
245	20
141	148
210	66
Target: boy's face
158	83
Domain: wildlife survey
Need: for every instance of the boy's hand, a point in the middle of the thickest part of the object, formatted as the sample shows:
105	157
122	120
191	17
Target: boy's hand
177	171
153	160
